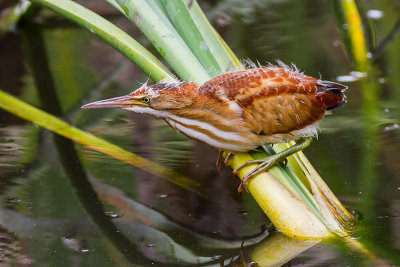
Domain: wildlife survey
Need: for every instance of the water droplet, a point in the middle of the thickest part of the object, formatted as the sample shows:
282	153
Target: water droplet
336	43
374	14
71	243
14	200
391	127
354	76
346	78
244	212
223	21
112	214
358	74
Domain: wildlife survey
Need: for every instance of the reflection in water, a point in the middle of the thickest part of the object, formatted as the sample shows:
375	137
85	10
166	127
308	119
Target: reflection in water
278	249
65	205
67	153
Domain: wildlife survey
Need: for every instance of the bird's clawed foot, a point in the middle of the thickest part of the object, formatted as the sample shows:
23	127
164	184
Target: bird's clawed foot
268	162
264	164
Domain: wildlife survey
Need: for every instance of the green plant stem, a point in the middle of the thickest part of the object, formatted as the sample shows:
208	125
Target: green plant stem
9	21
347	13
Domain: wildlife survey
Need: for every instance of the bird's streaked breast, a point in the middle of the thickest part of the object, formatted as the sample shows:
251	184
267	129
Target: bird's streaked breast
206	136
228	140
231	136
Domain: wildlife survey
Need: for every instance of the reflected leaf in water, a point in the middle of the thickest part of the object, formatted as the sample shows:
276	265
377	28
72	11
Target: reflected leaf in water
175	150
18	145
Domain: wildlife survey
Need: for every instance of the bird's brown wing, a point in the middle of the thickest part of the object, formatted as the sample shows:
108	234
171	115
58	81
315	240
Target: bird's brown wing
273	100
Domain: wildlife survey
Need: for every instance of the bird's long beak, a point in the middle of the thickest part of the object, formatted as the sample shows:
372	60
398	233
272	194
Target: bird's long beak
116	102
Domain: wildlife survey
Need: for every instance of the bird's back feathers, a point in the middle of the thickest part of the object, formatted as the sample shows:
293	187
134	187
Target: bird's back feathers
276	100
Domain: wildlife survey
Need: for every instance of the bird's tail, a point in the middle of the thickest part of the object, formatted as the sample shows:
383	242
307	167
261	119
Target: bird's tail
331	94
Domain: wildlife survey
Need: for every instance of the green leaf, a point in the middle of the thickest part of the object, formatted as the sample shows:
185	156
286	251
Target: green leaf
164	37
190	33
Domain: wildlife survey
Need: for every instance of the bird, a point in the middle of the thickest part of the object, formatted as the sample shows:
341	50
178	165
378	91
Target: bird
241	110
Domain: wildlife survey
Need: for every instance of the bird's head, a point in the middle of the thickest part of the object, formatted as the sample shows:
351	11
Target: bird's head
152	99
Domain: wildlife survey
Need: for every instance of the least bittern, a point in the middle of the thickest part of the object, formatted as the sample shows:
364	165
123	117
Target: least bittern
240	111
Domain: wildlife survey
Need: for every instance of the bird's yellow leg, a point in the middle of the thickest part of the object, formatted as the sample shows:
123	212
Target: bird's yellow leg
219	160
228	158
268	162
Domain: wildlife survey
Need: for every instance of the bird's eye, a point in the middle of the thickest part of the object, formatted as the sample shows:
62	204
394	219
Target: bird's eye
146	100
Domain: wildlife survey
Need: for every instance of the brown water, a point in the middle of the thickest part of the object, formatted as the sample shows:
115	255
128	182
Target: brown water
62	204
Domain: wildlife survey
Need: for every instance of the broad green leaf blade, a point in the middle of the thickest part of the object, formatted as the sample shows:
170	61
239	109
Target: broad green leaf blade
110	34
161	12
225	57
165	39
187	29
28	112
